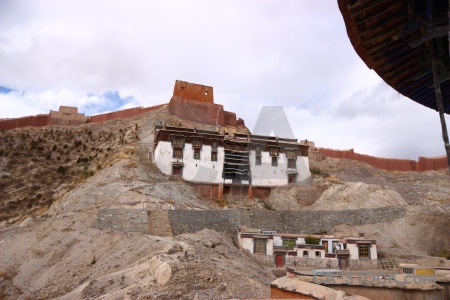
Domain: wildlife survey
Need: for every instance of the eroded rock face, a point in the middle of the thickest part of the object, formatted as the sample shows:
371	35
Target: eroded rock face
357	195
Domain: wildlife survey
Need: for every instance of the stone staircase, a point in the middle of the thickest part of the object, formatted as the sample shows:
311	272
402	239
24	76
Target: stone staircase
159	223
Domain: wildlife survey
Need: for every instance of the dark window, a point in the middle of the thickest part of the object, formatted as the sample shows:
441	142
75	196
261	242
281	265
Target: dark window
214	144
213	156
292	164
260	246
258	150
291	153
197	143
408	270
274	161
305	254
177	153
364	251
289	243
197	154
258	160
317	253
178	142
274	151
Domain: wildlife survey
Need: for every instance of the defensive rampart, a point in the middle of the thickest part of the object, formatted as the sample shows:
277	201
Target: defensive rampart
36	121
122	114
68	115
390	164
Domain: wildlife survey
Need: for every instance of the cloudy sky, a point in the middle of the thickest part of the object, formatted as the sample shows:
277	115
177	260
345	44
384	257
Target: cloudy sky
107	55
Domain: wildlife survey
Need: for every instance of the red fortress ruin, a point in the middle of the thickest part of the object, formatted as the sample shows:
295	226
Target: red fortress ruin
195	102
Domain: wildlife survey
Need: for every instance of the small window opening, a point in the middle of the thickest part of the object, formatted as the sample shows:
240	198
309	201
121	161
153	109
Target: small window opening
274	161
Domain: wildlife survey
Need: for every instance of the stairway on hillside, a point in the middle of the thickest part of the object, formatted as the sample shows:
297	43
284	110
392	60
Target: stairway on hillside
159	223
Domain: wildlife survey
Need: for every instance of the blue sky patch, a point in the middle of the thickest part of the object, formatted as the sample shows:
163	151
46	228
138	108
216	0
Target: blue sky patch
5	90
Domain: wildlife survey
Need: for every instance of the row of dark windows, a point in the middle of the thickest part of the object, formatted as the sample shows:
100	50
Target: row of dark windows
178	153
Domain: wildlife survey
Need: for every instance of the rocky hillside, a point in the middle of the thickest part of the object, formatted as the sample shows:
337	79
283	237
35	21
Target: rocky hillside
54	180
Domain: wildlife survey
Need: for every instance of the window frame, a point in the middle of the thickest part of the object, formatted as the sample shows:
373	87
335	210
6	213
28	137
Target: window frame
258	244
196	153
214	155
365	250
274	151
291	153
178	141
197	143
175	150
274	161
292	163
214	144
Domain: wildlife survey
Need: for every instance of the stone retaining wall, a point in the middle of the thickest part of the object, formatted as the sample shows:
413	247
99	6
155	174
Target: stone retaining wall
189	221
184	221
125	220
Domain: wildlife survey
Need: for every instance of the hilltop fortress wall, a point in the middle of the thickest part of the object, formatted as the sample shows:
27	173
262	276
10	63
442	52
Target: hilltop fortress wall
389	164
68	115
122	114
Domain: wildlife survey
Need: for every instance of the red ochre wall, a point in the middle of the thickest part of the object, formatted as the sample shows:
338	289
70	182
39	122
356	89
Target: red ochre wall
197	111
390	164
122	114
230	118
192	91
59	118
37	121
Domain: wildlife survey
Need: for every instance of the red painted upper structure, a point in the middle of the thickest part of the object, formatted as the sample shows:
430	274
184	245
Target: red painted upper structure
195	102
192	91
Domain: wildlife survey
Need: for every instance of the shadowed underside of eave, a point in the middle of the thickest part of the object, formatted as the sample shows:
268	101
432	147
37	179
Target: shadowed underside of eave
390	36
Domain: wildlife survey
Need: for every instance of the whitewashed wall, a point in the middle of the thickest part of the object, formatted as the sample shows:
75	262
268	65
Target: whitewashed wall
247	243
373	252
268	175
201	170
353	249
269	247
277	241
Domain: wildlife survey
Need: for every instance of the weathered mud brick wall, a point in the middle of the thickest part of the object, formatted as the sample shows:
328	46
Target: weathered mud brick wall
389	164
67	115
432	163
36	121
230	118
195	102
209	113
125	220
122	114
